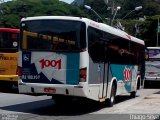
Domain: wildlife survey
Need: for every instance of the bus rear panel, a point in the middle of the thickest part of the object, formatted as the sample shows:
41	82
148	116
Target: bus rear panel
51	57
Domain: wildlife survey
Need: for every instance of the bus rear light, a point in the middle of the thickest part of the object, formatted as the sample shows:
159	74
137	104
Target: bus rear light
19	71
83	74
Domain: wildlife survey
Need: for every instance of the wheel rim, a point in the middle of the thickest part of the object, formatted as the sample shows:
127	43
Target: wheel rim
113	94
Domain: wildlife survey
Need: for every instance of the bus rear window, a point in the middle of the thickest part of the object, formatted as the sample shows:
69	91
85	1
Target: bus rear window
8	40
56	35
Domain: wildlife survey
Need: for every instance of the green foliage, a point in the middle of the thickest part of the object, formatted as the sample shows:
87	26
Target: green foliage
147	29
13	11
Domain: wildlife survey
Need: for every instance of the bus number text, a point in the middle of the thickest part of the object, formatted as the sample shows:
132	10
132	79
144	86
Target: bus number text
50	63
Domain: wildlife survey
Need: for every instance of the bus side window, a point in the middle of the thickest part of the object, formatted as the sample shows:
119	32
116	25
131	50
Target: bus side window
95	45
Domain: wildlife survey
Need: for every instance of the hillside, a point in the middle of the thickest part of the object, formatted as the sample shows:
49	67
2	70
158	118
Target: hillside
13	11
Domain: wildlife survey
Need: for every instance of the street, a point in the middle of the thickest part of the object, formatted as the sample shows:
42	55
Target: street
23	107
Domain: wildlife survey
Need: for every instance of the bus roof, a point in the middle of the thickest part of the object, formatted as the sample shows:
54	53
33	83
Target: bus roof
9	30
101	26
153	47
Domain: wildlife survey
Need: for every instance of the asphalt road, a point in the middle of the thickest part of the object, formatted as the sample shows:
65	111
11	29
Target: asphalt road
23	107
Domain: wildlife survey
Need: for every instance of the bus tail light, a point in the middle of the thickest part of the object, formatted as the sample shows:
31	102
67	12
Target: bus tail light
19	71
83	74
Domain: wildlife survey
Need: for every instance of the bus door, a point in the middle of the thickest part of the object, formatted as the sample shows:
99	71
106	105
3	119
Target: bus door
97	69
104	81
97	47
104	71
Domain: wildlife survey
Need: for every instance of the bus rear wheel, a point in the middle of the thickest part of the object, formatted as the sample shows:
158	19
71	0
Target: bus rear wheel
111	101
138	84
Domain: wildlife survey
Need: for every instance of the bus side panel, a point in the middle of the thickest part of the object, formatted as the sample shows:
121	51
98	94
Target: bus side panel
126	75
50	68
8	66
95	80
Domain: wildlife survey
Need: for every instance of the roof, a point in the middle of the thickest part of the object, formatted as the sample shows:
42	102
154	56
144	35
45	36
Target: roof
153	47
10	30
92	23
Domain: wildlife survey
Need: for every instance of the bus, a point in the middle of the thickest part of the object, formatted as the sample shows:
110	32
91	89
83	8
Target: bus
8	57
152	72
75	57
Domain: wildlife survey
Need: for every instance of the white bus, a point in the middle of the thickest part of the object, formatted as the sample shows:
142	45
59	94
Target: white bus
64	56
152	72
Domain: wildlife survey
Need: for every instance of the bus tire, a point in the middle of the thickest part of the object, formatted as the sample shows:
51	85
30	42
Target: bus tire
133	94
112	95
138	84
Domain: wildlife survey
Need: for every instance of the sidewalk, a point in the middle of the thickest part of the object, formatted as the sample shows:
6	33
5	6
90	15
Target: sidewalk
148	105
146	102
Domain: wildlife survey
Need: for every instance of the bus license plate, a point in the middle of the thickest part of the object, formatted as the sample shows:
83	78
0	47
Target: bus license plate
49	90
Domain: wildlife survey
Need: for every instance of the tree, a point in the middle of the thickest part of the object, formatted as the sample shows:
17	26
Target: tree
13	11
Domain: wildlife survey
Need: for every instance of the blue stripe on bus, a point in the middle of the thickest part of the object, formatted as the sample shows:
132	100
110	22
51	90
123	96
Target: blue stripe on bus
73	60
117	71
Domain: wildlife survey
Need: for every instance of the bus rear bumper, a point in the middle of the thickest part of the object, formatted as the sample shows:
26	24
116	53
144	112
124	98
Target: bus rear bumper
152	79
50	89
9	78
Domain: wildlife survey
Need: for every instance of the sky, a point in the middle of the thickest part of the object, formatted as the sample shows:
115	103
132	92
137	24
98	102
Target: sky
67	1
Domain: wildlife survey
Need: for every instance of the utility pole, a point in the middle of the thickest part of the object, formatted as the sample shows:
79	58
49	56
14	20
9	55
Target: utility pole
158	30
114	8
111	6
112	11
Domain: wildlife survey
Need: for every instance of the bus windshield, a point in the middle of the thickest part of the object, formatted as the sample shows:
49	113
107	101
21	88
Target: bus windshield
154	54
55	35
